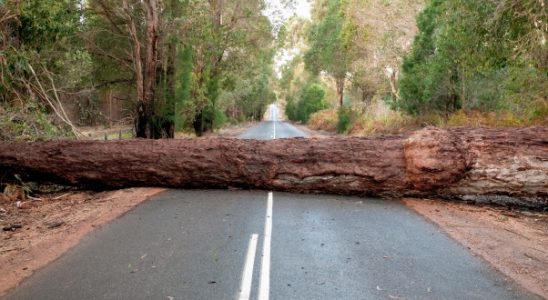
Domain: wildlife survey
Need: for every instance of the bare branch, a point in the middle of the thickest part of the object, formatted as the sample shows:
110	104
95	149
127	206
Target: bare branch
59	110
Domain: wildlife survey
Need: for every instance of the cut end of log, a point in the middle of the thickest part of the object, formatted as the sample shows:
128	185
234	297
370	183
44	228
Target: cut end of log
434	158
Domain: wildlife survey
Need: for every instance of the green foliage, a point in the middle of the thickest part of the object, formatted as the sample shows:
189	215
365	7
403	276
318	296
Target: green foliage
45	22
346	117
327	50
42	34
215	62
310	101
232	70
291	108
221	73
463	59
428	74
31	123
184	86
219	119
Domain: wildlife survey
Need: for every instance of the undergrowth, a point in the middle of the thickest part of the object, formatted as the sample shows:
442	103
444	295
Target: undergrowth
29	123
377	119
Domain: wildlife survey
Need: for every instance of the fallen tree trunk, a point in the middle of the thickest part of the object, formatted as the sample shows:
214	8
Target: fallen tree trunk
495	165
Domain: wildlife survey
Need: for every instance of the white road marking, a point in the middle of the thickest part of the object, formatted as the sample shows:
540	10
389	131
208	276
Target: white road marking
264	286
273	118
247	276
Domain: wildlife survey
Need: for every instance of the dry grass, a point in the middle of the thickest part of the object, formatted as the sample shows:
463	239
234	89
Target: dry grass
325	120
492	119
392	123
378	119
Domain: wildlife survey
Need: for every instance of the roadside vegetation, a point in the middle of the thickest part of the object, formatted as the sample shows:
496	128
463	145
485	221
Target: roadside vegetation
388	67
167	65
356	67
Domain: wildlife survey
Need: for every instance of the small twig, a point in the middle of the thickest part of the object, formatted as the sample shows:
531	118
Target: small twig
12	249
517	233
61	196
33	199
531	257
7	17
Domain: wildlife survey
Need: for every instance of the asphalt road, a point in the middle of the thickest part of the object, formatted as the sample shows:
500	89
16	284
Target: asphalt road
268	129
199	244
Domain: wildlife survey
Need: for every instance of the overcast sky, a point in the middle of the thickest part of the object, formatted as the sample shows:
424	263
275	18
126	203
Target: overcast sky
278	13
302	9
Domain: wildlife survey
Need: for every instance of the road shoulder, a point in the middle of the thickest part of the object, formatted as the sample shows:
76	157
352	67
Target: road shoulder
42	230
514	242
311	132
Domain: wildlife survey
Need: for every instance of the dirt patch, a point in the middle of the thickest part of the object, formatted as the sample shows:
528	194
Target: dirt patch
229	131
42	229
232	131
514	242
111	133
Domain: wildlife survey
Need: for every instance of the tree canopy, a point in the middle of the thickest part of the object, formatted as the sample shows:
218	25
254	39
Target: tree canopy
194	65
476	55
424	58
179	63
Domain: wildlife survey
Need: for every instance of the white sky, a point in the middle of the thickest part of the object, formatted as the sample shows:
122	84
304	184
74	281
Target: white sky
303	8
278	13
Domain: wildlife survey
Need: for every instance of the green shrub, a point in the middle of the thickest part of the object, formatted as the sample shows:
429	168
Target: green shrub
29	123
219	119
312	100
346	119
461	61
291	108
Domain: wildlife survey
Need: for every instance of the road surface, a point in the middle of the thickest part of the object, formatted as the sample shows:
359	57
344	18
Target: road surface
199	244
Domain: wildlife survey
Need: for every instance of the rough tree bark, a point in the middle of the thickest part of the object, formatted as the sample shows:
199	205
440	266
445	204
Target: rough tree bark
506	166
392	74
340	89
152	10
168	125
145	66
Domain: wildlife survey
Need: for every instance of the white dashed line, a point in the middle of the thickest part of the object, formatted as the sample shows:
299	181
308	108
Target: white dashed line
264	286
247	276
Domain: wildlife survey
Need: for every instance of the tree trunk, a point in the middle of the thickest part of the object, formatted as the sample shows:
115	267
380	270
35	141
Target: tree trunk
506	166
340	89
141	105
146	75
367	94
168	125
394	84
198	123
